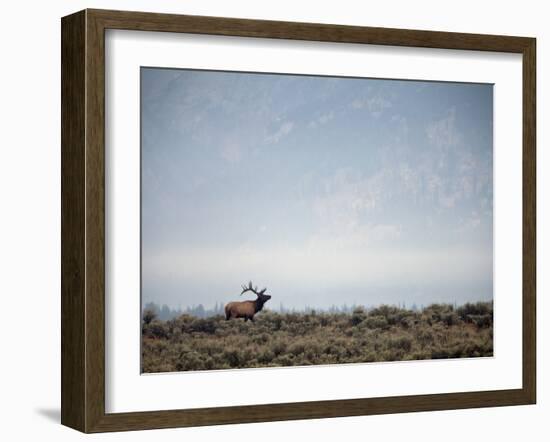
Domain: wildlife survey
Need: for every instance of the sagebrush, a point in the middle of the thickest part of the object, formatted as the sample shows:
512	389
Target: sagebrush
385	333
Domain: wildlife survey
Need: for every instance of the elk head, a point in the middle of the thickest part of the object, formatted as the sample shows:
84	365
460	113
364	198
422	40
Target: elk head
262	297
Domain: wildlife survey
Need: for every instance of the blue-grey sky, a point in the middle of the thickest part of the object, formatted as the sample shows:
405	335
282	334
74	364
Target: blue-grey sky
325	190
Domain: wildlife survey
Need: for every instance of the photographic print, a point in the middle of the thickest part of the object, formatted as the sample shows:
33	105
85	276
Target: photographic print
297	220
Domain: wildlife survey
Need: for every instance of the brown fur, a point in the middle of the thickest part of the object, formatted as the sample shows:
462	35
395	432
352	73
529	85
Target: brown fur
245	309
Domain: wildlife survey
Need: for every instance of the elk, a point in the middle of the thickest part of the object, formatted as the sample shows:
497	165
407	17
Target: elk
247	309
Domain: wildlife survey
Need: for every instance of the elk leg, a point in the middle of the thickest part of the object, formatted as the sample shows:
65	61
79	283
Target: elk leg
252	318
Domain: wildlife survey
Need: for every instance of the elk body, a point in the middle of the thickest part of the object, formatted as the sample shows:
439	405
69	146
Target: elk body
247	309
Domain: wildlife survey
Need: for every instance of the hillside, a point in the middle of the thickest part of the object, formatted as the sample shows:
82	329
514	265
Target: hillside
385	333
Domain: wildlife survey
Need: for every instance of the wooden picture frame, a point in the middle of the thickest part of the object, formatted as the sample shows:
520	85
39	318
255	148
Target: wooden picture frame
83	220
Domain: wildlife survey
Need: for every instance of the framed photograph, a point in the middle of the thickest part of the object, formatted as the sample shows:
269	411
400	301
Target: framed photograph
268	220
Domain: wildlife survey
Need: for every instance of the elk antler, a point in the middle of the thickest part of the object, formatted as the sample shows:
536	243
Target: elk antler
253	290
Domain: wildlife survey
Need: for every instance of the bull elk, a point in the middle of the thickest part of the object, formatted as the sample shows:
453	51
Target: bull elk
247	309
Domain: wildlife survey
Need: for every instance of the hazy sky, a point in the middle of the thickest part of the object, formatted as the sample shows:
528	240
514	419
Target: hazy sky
325	190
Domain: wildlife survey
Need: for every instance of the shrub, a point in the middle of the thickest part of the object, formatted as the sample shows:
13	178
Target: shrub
449	318
401	342
156	329
148	316
232	357
297	348
278	347
265	357
377	322
480	320
358	316
479	308
200	325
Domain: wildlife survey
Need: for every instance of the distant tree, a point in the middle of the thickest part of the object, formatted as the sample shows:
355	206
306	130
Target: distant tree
152	306
200	311
165	313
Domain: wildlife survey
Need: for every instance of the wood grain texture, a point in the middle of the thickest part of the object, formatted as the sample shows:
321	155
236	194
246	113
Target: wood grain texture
73	129
83	220
307	410
529	221
145	21
95	221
